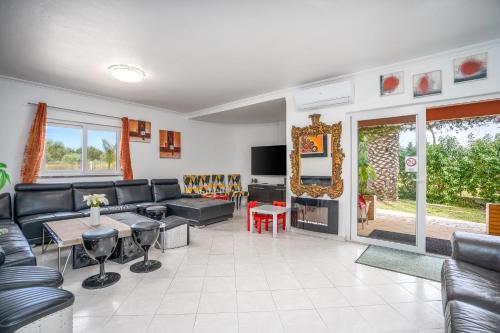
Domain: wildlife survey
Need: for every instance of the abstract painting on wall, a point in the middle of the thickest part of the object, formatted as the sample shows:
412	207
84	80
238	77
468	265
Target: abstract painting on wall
313	146
139	130
392	84
170	144
469	68
426	84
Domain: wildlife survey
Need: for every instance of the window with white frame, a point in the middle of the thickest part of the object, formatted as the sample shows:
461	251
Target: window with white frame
80	149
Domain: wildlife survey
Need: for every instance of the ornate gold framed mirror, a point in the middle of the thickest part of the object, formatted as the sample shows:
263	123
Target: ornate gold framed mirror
317	159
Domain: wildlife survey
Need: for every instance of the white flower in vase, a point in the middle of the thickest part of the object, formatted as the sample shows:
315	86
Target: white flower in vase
95	201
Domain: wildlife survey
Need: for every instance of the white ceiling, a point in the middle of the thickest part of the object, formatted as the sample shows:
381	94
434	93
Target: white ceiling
202	53
265	112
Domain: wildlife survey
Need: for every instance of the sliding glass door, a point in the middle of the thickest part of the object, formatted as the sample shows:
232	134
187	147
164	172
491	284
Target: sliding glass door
388	179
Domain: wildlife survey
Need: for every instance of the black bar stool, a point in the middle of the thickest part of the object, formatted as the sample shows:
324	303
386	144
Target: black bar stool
156	212
145	234
99	244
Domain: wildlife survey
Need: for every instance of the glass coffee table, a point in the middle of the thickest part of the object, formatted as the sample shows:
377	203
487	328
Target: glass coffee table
68	233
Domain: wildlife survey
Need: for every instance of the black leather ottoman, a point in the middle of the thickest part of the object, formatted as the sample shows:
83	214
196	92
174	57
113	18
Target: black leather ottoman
29	276
37	309
201	211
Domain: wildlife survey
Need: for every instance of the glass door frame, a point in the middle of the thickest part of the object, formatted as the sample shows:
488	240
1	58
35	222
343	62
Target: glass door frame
420	228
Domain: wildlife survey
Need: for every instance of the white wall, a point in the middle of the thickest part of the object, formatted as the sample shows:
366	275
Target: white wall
206	147
367	98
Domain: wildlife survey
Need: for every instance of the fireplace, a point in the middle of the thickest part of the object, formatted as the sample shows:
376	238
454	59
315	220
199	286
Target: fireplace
318	215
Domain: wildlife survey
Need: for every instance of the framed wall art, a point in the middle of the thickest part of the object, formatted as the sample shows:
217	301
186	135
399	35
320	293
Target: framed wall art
392	84
314	145
170	144
139	130
470	68
427	84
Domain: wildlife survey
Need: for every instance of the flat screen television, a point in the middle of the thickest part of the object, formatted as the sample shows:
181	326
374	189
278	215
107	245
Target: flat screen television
269	160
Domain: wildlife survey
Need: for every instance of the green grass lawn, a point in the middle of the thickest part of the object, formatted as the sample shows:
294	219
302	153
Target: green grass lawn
452	212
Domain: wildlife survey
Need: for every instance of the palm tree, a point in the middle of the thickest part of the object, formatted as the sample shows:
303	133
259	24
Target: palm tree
109	152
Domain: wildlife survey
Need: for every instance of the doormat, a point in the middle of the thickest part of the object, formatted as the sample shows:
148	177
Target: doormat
419	265
432	245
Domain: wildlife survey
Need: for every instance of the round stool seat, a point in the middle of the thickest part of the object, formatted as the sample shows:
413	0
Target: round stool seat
156	212
99	245
145	234
145	226
156	209
99	233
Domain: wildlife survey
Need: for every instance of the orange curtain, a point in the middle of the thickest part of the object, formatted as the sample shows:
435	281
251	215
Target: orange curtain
33	152
126	163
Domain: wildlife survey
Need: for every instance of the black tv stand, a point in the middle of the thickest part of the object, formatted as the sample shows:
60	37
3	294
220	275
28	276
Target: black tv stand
266	193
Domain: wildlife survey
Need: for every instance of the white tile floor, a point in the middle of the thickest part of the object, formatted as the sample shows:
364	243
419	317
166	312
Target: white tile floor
228	280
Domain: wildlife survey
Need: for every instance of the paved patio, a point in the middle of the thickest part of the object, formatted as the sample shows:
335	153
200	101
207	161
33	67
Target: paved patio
437	227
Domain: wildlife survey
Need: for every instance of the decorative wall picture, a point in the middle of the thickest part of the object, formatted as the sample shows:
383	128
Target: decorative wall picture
469	68
170	144
139	130
392	84
313	146
426	84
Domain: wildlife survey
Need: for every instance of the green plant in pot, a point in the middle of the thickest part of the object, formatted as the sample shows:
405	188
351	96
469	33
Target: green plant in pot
4	179
4	176
366	174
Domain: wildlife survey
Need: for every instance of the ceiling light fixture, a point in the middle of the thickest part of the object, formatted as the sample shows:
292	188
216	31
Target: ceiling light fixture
127	73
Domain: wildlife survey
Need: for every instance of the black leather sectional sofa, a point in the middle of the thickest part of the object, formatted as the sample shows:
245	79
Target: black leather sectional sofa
35	204
14	248
470	283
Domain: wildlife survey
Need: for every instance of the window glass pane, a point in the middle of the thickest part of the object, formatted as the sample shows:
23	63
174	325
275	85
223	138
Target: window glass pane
63	148
101	150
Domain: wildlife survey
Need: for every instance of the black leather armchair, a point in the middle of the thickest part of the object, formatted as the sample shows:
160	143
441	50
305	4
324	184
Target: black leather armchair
470	283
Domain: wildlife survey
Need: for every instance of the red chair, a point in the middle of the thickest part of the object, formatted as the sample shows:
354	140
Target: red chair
258	218
281	217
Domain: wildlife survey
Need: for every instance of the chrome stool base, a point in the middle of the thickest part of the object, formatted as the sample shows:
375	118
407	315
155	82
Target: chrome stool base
145	266
98	282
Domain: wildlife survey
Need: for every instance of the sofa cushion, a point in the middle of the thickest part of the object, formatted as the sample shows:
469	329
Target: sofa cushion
461	317
2	255
15	247
20	307
82	189
5	207
31	199
32	225
165	189
472	284
199	209
133	191
29	276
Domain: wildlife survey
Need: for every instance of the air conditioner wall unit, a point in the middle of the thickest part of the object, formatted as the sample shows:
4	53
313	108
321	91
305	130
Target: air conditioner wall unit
327	95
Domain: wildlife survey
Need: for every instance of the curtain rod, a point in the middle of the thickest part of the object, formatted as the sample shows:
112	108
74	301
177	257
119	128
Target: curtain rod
78	111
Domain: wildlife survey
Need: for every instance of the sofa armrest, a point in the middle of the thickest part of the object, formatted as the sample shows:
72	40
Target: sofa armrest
476	249
2	256
190	195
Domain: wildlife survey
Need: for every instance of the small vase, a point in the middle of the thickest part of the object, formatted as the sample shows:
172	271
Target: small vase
95	216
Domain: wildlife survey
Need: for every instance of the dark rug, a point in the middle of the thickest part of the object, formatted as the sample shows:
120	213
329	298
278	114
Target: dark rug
432	245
